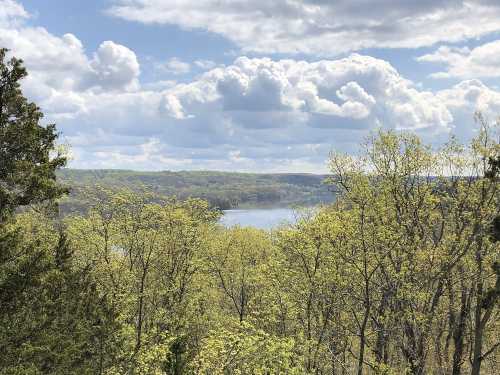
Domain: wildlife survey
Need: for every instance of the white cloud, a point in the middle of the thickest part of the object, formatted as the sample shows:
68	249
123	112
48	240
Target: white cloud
465	98
115	67
61	63
57	62
322	27
175	66
360	88
172	107
482	61
11	12
261	114
159	85
254	114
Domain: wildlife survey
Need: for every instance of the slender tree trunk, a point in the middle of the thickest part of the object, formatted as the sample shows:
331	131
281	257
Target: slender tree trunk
101	352
478	322
243	302
140	313
478	339
459	333
362	342
380	350
362	333
413	351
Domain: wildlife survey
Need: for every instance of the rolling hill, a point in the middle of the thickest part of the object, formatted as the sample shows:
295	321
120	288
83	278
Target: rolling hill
222	189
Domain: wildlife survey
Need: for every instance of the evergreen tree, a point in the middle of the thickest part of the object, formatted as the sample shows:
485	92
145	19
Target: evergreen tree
52	319
28	160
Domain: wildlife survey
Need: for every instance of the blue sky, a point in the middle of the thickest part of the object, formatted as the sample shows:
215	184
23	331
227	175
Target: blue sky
88	21
262	85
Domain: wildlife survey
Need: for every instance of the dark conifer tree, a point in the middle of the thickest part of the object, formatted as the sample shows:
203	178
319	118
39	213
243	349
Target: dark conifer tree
52	318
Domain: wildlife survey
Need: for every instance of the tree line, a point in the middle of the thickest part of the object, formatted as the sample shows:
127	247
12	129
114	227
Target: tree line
400	275
224	190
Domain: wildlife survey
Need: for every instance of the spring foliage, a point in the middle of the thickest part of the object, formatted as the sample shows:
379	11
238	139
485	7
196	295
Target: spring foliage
399	275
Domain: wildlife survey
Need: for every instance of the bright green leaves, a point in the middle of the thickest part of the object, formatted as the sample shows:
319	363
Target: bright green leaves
146	256
243	349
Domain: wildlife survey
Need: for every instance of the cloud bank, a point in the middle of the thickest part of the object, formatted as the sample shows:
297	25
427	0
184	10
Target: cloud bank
321	27
256	114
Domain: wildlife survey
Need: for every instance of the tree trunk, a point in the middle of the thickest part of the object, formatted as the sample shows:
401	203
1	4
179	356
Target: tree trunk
478	339
362	333
140	313
459	331
362	342
380	350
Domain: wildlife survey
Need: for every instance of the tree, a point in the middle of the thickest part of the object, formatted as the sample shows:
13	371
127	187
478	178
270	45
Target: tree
52	320
146	258
424	216
235	260
27	176
487	300
28	156
243	349
311	282
55	321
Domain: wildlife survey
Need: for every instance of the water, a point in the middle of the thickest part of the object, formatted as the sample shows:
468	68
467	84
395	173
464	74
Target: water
263	218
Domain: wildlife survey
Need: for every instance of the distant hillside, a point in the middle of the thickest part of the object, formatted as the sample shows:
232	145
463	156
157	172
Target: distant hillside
222	189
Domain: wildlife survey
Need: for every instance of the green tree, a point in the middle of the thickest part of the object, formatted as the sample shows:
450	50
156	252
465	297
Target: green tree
28	156
487	298
235	260
55	321
51	317
147	257
243	349
311	283
422	217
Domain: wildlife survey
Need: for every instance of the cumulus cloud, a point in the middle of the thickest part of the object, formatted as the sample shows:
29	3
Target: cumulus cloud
360	88
467	97
114	67
321	27
482	61
58	64
262	114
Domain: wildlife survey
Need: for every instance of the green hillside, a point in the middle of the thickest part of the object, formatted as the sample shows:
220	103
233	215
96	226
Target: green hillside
222	189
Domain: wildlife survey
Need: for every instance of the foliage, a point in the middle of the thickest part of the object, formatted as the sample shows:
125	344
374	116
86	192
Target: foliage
224	190
243	349
27	149
399	276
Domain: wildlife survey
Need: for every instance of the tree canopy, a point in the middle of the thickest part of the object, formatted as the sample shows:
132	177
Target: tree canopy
400	275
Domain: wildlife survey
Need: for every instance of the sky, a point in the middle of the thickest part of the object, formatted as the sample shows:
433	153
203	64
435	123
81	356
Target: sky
252	85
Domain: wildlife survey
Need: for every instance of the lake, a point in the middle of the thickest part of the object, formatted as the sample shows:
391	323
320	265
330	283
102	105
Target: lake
263	218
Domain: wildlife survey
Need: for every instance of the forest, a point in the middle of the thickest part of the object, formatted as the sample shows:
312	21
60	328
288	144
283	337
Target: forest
399	275
223	190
